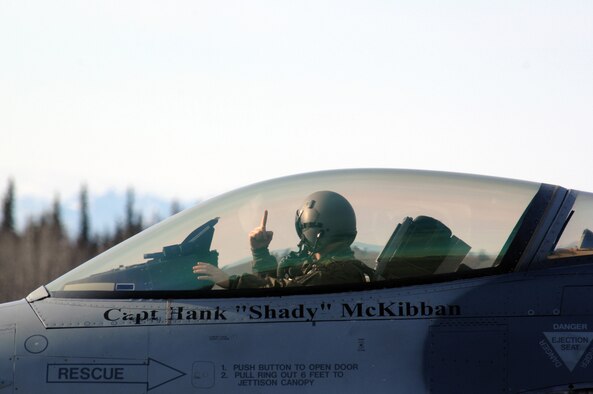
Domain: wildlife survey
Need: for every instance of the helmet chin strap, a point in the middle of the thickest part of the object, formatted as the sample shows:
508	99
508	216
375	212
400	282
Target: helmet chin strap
314	249
301	246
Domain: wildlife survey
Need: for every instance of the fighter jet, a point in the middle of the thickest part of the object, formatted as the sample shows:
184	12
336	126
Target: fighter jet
370	280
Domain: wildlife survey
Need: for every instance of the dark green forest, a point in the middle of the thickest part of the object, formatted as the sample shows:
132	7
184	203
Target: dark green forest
43	250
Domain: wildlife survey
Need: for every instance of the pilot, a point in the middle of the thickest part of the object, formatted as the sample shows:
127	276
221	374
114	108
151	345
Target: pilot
326	226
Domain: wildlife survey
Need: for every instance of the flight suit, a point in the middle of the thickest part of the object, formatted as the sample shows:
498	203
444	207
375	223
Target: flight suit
338	267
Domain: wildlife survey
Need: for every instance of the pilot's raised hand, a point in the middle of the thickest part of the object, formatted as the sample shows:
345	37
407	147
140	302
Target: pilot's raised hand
207	271
259	237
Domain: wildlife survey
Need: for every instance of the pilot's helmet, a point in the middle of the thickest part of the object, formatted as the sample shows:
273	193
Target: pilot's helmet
325	218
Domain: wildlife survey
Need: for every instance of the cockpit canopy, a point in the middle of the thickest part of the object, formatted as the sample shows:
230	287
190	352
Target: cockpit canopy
409	224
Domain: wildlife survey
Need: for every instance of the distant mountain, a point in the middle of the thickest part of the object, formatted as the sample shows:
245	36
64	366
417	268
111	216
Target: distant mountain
105	210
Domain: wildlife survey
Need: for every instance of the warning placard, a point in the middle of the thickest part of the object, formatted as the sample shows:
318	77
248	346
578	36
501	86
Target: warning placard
569	346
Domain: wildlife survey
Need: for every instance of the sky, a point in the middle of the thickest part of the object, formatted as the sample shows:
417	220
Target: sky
188	99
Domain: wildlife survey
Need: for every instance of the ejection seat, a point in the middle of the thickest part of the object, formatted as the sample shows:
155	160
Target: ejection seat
419	247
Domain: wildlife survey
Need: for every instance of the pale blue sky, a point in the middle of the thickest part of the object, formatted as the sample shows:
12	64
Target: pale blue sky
188	99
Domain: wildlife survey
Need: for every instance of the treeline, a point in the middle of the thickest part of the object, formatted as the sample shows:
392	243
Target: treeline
43	249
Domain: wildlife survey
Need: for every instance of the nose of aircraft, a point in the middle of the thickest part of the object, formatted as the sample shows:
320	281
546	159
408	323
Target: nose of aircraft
17	323
7	342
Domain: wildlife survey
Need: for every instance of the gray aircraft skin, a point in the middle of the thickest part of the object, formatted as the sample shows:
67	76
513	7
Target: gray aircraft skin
480	284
